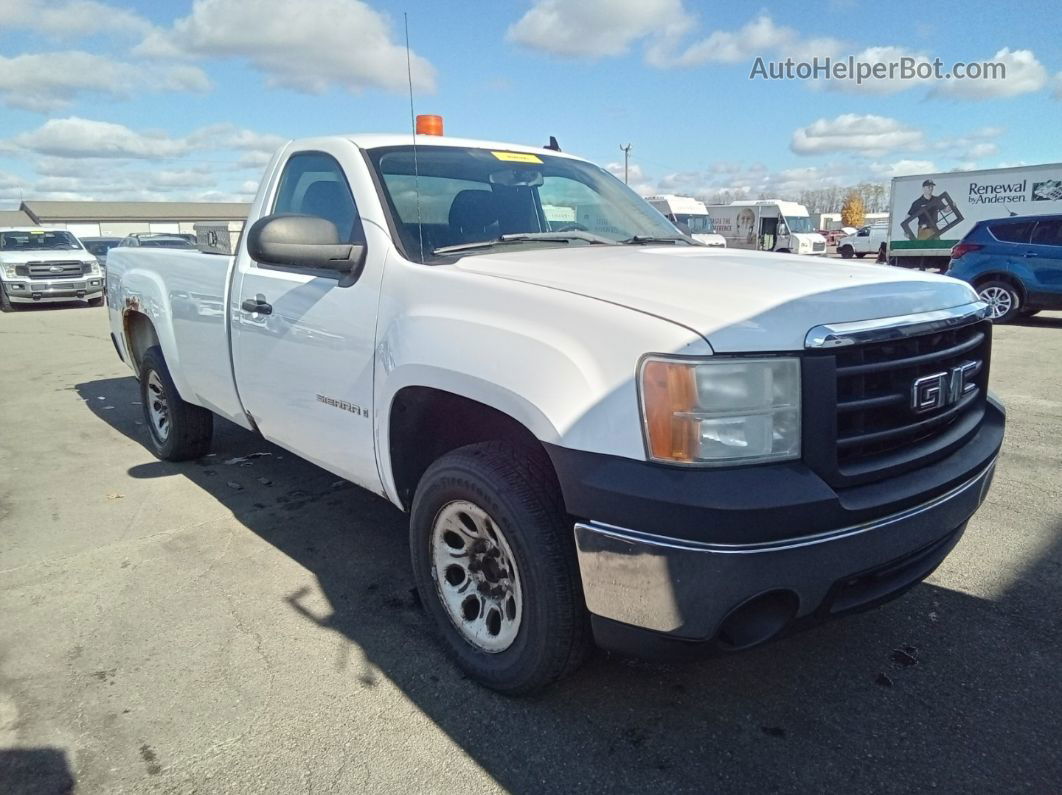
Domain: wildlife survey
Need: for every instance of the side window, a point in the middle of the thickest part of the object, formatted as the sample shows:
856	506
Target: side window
1012	232
313	183
1047	233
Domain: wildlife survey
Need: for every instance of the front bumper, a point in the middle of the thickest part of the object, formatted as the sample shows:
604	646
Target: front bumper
30	291
697	561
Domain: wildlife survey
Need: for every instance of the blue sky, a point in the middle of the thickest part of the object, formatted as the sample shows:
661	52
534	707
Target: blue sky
184	100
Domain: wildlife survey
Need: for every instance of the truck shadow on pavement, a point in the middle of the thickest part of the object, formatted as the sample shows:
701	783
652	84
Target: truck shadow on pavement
937	689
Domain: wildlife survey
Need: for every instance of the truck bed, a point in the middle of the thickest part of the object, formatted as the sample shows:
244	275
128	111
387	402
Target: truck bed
186	292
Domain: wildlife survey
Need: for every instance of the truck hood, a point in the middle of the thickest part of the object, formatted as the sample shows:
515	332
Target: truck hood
45	255
739	301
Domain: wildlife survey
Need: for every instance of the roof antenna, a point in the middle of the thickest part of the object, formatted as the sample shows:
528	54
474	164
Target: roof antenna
553	144
413	124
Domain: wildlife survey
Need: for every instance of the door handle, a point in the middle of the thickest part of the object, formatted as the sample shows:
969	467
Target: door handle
257	304
1031	254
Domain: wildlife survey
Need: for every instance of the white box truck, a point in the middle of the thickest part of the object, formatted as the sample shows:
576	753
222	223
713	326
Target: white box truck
690	216
767	225
931	213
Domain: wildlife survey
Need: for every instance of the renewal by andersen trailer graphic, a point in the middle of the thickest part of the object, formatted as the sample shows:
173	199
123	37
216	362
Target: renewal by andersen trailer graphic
930	213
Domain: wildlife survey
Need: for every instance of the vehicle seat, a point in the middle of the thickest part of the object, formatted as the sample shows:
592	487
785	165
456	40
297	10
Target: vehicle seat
473	217
329	200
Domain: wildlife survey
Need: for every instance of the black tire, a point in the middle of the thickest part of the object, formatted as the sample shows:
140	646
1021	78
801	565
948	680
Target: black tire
515	486
5	302
96	301
189	427
881	253
989	290
846	251
861	254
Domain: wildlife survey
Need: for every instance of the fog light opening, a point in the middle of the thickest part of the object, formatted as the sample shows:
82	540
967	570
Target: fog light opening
757	620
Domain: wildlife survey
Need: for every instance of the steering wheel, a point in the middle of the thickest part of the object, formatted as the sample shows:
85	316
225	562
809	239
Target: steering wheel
572	227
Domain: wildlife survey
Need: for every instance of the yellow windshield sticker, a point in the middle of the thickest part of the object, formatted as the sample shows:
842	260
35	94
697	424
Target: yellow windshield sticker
517	157
36	231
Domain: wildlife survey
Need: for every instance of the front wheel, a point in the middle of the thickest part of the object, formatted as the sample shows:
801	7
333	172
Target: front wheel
846	251
178	430
5	302
861	254
494	561
97	301
1004	301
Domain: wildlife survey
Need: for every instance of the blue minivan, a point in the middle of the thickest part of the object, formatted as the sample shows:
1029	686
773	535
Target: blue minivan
1015	264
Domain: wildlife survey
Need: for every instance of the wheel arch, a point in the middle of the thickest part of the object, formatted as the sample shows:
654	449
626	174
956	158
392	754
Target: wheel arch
424	423
1002	276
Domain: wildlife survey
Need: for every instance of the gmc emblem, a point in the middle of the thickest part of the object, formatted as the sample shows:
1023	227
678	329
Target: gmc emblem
931	392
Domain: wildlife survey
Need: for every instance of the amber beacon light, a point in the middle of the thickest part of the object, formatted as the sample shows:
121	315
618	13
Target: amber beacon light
428	124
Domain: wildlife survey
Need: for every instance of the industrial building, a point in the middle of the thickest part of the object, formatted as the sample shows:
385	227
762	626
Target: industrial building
117	219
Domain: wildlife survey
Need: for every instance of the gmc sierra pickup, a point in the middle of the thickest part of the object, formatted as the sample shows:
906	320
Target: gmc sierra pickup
602	431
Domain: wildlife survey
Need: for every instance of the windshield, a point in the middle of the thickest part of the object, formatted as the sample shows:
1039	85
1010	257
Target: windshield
99	247
165	242
38	240
697	224
798	223
463	196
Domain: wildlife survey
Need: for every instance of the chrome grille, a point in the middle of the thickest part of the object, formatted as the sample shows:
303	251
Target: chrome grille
55	270
818	246
895	396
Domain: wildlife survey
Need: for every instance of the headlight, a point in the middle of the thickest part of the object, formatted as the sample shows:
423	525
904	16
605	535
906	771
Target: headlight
727	411
9	272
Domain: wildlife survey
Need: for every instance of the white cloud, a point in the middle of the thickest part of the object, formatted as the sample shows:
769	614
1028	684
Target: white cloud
74	137
70	19
869	134
759	37
52	80
343	43
595	28
902	168
979	144
77	137
229	136
1024	74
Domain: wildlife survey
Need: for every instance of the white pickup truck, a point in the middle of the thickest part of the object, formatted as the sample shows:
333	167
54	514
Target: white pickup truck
40	266
602	433
871	239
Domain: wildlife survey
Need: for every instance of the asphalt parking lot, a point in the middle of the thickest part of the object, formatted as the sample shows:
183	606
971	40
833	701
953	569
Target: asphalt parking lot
245	623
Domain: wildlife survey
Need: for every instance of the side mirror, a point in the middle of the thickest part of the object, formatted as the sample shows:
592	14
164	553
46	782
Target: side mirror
304	241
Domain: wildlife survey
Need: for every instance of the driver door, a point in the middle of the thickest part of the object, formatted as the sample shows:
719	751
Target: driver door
302	344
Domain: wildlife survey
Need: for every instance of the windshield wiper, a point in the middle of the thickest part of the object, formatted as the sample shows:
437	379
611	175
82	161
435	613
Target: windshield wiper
524	237
641	240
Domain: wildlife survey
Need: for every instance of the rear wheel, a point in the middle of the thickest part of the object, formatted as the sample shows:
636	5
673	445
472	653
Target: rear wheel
1003	299
494	561
178	430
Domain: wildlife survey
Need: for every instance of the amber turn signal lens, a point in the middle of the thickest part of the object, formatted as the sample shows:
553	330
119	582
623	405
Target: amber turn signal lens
668	394
428	124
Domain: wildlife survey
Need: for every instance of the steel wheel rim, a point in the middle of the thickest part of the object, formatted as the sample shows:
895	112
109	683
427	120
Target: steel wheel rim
158	407
999	301
476	577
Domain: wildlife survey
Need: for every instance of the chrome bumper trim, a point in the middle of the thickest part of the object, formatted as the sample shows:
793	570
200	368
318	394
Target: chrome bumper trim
836	335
